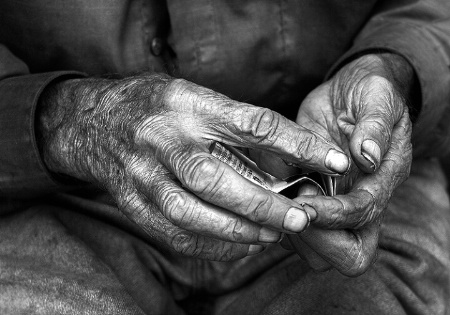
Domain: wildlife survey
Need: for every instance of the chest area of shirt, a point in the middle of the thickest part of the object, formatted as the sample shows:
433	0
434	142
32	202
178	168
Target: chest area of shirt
262	51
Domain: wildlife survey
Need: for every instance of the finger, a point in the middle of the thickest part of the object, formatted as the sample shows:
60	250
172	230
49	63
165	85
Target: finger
262	128
351	252
303	250
218	118
161	232
335	248
217	183
190	213
352	210
371	137
370	194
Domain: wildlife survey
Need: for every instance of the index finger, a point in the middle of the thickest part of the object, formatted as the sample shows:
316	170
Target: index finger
218	118
256	127
219	184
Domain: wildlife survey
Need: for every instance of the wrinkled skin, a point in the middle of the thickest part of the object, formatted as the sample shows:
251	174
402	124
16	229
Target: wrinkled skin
362	102
145	139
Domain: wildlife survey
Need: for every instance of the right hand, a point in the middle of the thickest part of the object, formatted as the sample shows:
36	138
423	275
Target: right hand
145	140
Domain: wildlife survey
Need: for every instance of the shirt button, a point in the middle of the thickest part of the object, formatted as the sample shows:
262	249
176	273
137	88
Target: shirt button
157	46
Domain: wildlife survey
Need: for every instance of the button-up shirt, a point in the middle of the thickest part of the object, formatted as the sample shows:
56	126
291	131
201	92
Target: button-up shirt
267	53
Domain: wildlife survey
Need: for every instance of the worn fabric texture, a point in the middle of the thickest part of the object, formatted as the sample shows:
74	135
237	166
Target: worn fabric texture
73	255
69	251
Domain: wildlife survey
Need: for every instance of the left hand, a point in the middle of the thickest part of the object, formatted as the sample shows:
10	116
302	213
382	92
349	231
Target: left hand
362	110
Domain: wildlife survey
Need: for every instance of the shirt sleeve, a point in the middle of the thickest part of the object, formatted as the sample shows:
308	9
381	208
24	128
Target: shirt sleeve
22	172
420	32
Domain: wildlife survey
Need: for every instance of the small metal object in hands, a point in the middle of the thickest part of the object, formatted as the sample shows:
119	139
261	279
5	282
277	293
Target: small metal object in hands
288	186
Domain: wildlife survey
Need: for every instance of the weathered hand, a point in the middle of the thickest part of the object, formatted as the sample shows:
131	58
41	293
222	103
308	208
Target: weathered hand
361	109
145	139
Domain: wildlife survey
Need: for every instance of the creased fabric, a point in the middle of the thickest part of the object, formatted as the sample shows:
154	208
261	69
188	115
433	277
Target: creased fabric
73	255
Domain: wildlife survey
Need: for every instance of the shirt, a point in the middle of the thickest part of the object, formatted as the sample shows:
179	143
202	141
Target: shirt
267	53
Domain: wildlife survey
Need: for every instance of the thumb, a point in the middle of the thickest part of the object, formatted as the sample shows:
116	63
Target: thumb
371	137
314	260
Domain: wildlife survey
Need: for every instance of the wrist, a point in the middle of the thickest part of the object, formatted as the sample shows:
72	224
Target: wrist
55	125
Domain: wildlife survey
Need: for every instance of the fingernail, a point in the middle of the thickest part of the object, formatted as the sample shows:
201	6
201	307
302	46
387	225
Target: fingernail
311	212
255	249
295	220
371	152
268	236
337	161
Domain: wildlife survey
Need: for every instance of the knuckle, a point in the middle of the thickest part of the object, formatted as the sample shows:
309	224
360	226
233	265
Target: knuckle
336	215
368	210
143	132
202	174
175	91
358	209
178	209
144	90
260	207
234	229
187	244
198	246
183	96
305	146
261	124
